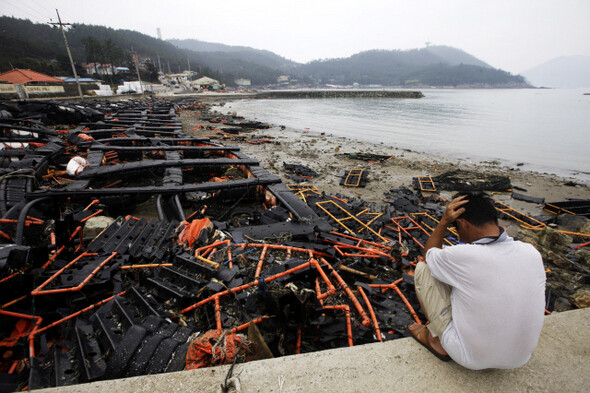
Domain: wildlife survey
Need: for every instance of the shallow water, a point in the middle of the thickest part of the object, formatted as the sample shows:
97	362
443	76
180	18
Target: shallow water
546	130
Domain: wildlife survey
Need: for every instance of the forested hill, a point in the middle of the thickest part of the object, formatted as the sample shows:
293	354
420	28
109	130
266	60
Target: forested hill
40	47
243	53
436	66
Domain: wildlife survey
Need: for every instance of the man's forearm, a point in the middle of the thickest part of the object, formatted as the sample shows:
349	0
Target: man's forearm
436	239
452	213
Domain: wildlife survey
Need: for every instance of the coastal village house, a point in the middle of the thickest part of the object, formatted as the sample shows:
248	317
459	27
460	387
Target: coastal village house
100	69
21	83
243	82
181	79
91	86
205	83
104	69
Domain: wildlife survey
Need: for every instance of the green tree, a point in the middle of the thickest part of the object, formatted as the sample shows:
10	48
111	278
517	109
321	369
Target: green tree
93	49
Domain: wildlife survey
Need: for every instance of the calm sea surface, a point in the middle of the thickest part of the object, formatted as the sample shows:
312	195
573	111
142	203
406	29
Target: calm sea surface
547	130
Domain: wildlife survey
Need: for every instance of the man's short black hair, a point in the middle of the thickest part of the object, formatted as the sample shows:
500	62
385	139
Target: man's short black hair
480	209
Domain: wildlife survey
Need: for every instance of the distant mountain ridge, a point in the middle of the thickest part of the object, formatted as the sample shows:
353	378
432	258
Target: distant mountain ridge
431	66
454	56
40	47
563	71
259	56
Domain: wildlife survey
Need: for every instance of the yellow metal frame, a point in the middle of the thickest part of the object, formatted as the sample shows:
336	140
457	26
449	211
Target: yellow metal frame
534	227
428	216
426	180
301	189
349	217
510	213
559	209
354	172
367	213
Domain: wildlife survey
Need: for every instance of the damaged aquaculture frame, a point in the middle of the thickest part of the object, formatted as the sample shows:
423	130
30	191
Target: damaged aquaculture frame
198	243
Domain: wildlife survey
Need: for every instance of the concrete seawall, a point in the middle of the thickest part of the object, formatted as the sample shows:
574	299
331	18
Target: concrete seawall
560	363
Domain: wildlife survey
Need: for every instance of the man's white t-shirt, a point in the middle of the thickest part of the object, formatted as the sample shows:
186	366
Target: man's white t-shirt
497	300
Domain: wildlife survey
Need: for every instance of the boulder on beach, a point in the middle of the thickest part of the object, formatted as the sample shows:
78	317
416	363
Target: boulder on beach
581	298
554	240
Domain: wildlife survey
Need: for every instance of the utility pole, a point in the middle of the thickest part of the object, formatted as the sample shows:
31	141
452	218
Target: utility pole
136	61
61	26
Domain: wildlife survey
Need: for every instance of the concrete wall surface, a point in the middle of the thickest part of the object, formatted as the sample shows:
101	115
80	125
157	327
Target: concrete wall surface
560	363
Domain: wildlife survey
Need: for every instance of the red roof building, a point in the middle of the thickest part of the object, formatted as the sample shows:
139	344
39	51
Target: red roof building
20	77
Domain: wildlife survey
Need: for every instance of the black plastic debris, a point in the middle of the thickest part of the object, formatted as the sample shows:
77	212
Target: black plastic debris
527	198
580	207
300	173
368	157
190	236
355	178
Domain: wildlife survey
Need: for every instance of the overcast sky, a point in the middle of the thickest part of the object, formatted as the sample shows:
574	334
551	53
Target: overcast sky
512	35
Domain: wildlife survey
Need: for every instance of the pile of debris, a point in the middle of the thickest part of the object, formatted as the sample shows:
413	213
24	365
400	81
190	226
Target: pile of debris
201	257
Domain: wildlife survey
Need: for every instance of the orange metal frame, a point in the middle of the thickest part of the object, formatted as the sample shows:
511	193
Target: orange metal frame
38	291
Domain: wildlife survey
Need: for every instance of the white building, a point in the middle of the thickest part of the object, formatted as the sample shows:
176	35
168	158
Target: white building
205	83
243	82
133	87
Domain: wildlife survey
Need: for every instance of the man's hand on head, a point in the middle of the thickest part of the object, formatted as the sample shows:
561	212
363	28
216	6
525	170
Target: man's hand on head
454	210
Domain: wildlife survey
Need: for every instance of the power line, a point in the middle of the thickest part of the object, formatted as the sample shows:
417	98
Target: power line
61	26
37	16
42	6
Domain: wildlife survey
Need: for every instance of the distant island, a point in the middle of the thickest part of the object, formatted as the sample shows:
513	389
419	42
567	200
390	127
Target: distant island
563	72
99	50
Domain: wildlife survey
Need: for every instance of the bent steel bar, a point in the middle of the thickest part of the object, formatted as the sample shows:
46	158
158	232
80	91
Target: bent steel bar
149	141
37	128
168	189
164	148
145	165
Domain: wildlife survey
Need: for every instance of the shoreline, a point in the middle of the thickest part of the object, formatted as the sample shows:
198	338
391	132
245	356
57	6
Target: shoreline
320	152
513	160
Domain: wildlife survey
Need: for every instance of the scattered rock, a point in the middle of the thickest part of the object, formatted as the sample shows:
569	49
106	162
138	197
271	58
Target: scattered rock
96	225
582	256
553	240
581	298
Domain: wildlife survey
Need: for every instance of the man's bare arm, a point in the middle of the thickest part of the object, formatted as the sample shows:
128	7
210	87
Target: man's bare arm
454	210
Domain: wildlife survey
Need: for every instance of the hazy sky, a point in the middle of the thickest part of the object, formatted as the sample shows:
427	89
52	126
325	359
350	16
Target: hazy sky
513	35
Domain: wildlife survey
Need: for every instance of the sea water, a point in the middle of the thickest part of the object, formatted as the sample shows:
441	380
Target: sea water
545	130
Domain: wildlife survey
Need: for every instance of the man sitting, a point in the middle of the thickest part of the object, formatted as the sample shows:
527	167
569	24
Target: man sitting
485	299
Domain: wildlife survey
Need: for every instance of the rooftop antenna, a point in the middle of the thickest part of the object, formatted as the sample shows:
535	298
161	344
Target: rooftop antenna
61	26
